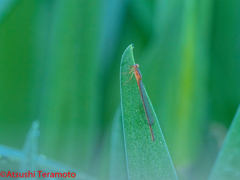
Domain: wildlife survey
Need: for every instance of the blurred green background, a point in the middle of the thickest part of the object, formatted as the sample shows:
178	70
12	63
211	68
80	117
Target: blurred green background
60	61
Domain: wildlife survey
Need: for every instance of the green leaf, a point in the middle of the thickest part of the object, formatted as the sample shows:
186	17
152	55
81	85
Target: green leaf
118	168
145	159
228	161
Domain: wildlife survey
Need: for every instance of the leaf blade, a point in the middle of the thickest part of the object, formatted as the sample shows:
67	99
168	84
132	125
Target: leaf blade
228	161
118	169
145	159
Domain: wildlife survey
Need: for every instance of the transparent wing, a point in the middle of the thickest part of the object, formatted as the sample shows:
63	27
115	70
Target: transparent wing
146	104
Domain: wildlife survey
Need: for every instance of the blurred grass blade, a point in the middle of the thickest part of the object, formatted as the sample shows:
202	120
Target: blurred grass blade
228	161
5	7
69	103
14	156
30	150
118	168
145	159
